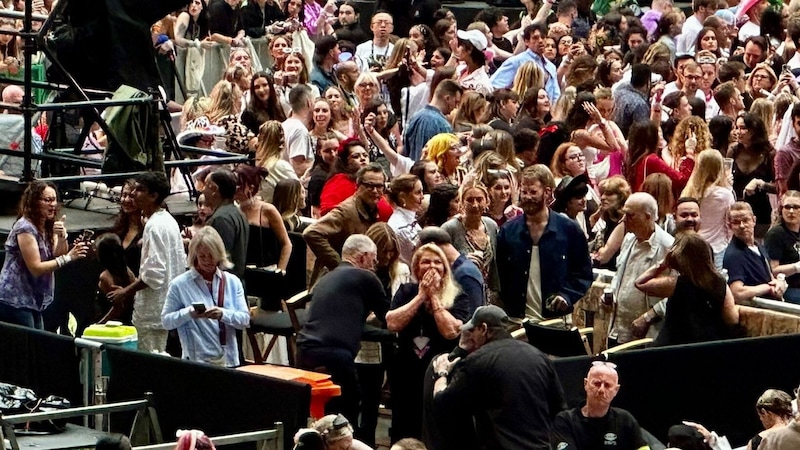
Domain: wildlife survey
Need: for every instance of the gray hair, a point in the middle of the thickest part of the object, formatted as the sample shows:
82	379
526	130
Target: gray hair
646	202
358	244
209	238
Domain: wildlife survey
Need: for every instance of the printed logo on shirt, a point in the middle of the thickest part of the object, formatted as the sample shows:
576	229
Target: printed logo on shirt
610	439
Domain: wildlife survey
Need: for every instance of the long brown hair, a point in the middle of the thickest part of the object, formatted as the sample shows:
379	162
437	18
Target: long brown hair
30	209
693	258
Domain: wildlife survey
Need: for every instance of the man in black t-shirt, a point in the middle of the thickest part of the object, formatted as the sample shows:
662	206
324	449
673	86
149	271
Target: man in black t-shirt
597	425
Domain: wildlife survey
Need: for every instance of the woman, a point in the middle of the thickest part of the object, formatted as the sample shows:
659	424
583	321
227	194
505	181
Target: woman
439	57
471	70
529	76
691	137
721	128
443	205
279	48
295	13
264	103
659	186
503	109
36	247
614	192
422	35
761	82
269	151
581	73
475	235
367	87
600	140
224	111
534	111
387	126
10	47
782	243
322	121
609	72
679	109
206	304
315	17
504	146
324	157
753	169
191	27
402	70
295	71
405	193
709	185
471	111
427	316
129	227
337	433
765	109
428	174
289	199
444	149
551	50
774	409
111	256
501	184
700	306
667	31
707	40
269	241
340	115
643	158
570	200
445	32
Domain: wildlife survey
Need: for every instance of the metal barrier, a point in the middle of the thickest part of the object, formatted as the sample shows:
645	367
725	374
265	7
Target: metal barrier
266	439
776	305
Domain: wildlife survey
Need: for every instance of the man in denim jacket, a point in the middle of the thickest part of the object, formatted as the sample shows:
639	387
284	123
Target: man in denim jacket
542	256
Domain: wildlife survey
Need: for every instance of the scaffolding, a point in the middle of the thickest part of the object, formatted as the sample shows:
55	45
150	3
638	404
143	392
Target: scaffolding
91	101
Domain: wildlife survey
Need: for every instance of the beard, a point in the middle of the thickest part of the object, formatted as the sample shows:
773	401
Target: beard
532	206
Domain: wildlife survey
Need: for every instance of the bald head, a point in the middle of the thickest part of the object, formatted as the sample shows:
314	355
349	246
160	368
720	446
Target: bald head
601	385
645	203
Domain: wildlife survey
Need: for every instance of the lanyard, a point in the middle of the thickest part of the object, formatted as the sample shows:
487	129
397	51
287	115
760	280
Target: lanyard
220	301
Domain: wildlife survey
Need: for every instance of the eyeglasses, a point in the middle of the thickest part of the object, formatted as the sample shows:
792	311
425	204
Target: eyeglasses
383	22
371	186
289	50
736	222
791	207
367	84
577	157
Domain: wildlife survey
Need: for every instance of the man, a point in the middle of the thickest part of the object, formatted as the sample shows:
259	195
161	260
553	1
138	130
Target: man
735	71
227	219
542	257
224	20
693	24
498	27
687	215
297	150
755	52
533	37
634	37
355	215
13	94
346	76
692	75
749	273
408	13
432	120
163	259
631	99
788	155
680	62
643	247
597	424
729	99
793	30
708	67
326	55
508	386
372	55
465	272
526	144
258	16
347	27
339	306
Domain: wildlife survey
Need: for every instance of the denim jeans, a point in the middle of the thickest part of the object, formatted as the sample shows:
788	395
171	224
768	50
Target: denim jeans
21	316
792	295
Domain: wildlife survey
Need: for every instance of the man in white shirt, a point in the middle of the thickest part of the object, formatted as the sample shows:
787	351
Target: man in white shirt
372	55
297	149
693	24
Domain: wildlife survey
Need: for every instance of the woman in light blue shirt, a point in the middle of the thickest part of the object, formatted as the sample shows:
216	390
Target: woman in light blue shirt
206	304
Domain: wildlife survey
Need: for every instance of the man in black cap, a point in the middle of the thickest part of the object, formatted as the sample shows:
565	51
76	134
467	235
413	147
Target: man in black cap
508	386
596	424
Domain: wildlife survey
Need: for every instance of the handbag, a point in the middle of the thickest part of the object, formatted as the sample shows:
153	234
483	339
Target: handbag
19	400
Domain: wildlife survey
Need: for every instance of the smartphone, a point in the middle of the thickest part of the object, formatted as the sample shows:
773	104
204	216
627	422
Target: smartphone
199	308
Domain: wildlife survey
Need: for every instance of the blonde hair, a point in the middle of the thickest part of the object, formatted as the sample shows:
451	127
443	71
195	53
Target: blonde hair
471	103
504	145
529	75
209	238
677	146
564	103
268	147
708	171
764	109
399	52
193	108
450	288
438	147
225	100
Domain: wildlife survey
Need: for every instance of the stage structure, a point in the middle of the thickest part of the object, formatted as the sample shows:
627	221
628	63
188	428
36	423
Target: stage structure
68	30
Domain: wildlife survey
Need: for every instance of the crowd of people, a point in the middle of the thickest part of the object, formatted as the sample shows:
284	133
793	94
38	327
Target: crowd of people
435	167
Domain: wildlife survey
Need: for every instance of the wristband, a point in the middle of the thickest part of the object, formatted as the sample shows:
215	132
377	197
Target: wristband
442	374
67	258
